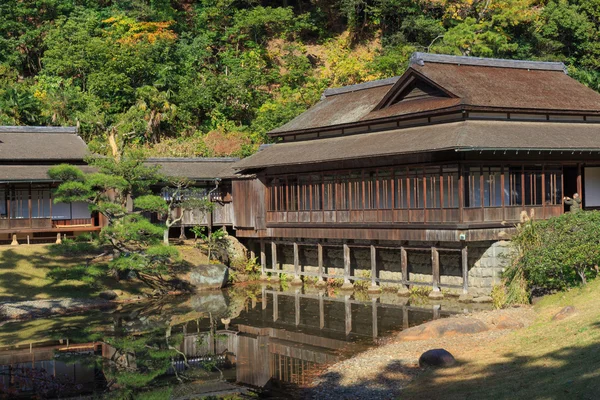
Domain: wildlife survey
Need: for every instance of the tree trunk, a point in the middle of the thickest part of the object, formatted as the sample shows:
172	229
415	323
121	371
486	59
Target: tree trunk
166	237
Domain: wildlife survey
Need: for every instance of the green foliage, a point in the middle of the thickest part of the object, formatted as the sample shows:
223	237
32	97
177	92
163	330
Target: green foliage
498	295
557	253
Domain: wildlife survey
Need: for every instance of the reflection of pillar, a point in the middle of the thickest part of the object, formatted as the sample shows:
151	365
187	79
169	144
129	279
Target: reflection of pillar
436	311
465	269
321	310
404	318
297	306
374	316
263	291
404	265
275	307
348	316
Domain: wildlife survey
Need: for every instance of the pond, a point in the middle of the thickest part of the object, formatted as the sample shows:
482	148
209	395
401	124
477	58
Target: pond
258	341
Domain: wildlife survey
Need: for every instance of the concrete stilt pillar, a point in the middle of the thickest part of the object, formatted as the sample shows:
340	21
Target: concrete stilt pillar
296	281
374	288
322	282
14	242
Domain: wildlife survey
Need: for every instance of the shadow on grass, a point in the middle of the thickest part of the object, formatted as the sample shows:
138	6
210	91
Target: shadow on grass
568	373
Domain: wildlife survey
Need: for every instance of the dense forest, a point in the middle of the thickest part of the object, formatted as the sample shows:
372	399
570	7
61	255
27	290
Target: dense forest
211	77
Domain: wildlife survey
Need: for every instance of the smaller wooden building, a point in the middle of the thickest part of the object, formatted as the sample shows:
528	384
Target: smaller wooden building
27	209
212	177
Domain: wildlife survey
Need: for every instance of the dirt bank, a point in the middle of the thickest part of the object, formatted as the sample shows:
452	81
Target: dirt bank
382	372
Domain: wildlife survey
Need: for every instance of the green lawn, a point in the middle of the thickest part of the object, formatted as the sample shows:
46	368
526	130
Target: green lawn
24	276
548	360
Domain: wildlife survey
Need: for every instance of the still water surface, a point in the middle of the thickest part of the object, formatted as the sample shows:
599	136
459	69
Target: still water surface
252	341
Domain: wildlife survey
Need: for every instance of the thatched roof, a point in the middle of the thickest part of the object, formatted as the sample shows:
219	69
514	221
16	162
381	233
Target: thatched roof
32	143
198	168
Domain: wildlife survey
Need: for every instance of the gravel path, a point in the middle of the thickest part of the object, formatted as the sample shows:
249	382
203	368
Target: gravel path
40	308
382	372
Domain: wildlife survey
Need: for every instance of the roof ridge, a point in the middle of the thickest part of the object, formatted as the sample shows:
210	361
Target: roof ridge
419	58
193	159
38	129
360	86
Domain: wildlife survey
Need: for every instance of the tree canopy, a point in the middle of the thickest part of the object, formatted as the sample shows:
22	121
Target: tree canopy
211	77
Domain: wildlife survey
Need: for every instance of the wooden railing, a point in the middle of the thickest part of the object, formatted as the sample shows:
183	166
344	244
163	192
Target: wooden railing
43	223
416	216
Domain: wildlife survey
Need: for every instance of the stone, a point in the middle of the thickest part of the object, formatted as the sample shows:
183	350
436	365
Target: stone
443	328
483	299
207	277
347	286
214	303
321	283
296	281
373	289
439	358
465	298
507	322
403	291
108	295
436	295
564	313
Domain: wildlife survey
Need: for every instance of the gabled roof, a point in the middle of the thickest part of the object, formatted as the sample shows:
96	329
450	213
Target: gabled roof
31	173
38	143
469	135
197	168
440	83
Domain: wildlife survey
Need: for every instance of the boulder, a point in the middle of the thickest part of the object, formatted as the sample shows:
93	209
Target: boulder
436	295
207	277
564	313
507	322
108	295
443	327
436	358
465	298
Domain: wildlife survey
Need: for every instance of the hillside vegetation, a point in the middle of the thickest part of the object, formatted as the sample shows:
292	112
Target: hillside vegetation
211	77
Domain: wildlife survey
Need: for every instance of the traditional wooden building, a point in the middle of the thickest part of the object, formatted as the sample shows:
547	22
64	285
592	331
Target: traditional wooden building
27	210
211	177
420	179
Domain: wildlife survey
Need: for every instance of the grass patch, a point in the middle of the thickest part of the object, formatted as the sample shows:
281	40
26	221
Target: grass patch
548	360
29	272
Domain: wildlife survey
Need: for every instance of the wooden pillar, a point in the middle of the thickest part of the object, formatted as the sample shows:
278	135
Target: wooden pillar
263	259
297	280
373	267
579	183
374	316
465	268
404	265
322	280
435	266
347	284
275	306
274	256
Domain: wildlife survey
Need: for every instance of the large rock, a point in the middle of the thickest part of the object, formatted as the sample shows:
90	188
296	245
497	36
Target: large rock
507	322
436	358
207	277
443	327
214	303
564	313
108	295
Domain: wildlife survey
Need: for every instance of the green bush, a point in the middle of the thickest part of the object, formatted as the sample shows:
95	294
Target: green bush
557	253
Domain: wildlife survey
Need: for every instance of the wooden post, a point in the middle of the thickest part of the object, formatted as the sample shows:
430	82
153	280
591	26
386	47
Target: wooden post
274	256
263	260
404	265
435	265
465	268
297	280
373	266
322	280
347	284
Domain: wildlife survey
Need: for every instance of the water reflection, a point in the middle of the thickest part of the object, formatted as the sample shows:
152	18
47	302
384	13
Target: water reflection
254	338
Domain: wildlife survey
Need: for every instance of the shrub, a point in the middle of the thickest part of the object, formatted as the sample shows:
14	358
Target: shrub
557	253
